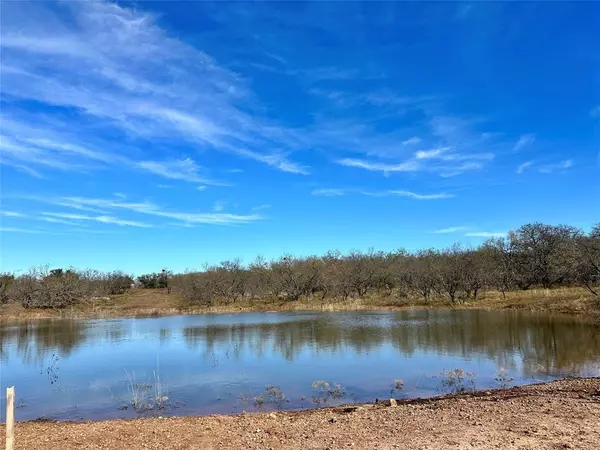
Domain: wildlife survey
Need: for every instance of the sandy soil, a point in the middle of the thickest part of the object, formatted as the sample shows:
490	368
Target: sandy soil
561	414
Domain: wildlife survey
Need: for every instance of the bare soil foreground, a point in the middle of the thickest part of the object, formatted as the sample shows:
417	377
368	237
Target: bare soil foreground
555	415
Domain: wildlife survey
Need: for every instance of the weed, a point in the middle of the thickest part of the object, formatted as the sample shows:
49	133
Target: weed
275	395
146	396
502	378
457	381
397	386
337	391
52	369
324	391
259	401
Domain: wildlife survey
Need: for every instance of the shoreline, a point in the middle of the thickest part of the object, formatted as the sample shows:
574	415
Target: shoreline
557	414
155	303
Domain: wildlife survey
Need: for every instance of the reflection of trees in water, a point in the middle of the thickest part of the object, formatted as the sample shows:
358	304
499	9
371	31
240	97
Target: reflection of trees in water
35	340
543	343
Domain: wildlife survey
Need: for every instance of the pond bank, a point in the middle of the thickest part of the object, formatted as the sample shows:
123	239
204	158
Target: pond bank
558	414
156	303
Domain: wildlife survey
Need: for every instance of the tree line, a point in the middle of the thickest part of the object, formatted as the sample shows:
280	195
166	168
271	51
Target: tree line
534	255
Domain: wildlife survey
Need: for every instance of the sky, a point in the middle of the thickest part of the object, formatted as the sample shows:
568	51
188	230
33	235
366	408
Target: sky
145	135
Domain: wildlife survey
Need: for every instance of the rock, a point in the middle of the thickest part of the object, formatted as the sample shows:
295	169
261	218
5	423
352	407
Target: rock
332	420
393	402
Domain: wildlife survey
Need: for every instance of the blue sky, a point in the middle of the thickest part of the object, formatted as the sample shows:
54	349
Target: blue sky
145	135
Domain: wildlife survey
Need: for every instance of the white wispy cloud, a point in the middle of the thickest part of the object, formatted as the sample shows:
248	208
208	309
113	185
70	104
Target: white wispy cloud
183	169
412	141
146	208
436	160
336	192
11	214
219	206
428	154
261	207
524	141
201	188
450	230
413	195
118	68
409	166
20	230
58	153
61	221
551	168
101	219
486	234
276	160
330	192
524	166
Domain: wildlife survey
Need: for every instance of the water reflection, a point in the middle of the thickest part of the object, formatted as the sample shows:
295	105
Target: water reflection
556	343
209	360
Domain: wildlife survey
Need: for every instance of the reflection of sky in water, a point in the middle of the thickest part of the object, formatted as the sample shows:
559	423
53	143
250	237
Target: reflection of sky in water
207	361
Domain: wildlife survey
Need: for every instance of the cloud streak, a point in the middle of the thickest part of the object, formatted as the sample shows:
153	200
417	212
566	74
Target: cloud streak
337	192
117	67
11	214
551	168
450	230
524	166
101	219
330	192
144	208
524	141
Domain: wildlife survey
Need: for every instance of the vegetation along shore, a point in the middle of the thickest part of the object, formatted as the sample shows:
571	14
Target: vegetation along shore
557	415
536	267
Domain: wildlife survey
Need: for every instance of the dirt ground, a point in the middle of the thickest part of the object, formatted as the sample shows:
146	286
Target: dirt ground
157	302
556	415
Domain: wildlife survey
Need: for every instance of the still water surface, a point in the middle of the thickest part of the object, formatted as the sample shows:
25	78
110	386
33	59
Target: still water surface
98	369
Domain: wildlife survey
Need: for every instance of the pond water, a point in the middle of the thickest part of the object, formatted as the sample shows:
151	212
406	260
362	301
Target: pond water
182	365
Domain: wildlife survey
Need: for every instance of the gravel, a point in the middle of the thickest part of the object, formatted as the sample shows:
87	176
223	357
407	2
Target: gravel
563	414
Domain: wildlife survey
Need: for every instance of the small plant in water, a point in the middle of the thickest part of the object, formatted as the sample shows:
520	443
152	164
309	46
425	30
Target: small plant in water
502	378
242	398
325	391
397	386
275	395
457	381
337	391
259	401
52	369
144	397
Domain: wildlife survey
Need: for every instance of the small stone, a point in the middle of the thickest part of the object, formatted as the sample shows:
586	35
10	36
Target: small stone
393	402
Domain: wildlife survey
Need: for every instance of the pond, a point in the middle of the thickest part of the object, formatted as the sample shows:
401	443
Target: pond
183	365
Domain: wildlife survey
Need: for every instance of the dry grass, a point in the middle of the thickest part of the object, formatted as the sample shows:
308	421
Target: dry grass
156	302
